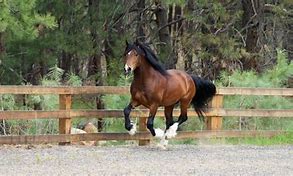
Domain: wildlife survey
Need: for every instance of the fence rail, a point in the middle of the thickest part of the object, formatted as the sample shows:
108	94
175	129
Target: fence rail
213	123
59	114
61	90
141	136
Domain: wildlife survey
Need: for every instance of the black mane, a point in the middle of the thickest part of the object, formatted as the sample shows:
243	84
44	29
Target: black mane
148	53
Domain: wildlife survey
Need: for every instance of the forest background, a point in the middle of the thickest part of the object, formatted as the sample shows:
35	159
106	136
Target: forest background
246	43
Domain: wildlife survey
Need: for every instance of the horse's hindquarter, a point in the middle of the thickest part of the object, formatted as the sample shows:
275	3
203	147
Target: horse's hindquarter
179	86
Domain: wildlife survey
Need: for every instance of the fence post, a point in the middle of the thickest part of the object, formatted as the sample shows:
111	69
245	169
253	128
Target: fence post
65	123
143	128
215	122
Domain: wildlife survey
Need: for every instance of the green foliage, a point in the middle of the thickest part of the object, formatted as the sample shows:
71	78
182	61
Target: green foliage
274	77
54	76
121	101
7	102
46	102
20	25
214	34
73	79
178	2
20	18
116	102
280	72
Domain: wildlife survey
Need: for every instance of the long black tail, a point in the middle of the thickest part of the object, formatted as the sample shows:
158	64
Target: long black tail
205	90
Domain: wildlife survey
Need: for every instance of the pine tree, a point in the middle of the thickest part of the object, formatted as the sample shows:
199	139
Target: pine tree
20	27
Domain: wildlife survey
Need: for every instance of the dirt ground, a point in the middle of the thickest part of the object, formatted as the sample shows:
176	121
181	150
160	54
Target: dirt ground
151	160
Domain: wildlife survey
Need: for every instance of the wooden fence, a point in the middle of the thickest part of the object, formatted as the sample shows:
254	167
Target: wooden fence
215	114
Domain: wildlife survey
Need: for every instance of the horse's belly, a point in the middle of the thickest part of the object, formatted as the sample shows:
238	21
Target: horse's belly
170	100
140	97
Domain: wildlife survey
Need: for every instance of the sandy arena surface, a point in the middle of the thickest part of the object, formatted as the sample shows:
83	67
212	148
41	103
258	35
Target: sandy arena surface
151	160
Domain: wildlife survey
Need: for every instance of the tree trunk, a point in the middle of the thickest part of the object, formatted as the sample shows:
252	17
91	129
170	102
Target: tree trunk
289	42
177	16
2	48
253	20
65	63
140	21
95	64
170	18
166	52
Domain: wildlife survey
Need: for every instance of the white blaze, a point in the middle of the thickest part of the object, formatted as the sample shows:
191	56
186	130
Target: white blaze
126	67
129	52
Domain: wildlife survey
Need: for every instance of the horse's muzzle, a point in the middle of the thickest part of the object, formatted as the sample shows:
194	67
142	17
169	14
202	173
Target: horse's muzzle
127	71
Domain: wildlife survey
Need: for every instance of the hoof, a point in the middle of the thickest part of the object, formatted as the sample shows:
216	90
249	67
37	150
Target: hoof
171	132
159	133
132	131
163	144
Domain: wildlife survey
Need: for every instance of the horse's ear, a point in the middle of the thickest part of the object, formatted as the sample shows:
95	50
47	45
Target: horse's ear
126	42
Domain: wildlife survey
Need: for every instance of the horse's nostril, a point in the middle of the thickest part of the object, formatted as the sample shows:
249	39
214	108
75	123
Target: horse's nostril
127	70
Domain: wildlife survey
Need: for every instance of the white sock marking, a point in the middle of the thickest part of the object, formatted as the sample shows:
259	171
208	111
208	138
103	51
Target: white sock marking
159	133
132	131
171	132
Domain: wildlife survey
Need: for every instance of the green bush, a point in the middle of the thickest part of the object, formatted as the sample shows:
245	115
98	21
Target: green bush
43	102
274	77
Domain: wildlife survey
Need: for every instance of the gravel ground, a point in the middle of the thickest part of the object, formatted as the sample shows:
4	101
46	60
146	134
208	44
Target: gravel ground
132	160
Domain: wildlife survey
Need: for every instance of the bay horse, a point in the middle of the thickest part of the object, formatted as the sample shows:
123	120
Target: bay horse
153	86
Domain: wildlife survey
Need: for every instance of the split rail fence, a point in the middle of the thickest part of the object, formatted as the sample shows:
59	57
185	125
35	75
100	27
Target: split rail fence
214	115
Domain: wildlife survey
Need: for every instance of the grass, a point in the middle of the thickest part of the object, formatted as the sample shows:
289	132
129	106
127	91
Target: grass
281	139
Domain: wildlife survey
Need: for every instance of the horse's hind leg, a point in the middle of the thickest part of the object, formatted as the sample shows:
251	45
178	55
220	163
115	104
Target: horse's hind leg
150	122
169	116
172	131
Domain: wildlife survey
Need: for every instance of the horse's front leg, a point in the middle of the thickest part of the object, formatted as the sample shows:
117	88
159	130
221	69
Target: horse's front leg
150	123
129	125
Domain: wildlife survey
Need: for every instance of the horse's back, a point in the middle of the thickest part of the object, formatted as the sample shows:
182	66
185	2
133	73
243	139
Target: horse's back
180	77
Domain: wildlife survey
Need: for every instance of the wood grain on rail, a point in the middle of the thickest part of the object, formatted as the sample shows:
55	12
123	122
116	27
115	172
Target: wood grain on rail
64	90
60	114
125	90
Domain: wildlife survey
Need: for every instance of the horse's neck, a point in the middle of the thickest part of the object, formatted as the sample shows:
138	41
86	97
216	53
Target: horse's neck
144	74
